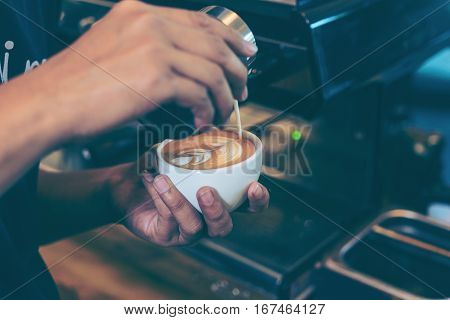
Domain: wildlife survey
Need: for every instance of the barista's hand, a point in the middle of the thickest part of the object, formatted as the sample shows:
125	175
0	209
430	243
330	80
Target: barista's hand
159	213
140	57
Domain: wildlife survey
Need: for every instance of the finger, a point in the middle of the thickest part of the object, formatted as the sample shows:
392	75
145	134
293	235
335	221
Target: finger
208	74
258	197
189	94
214	49
202	21
189	221
166	225
217	217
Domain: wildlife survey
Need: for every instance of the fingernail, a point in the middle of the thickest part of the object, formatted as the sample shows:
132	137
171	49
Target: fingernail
244	95
147	177
258	192
251	48
161	184
207	198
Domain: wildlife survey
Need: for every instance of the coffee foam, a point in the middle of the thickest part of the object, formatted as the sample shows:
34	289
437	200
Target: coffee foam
210	150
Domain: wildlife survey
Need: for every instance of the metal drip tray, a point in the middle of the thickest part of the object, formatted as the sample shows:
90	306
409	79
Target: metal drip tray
419	230
402	254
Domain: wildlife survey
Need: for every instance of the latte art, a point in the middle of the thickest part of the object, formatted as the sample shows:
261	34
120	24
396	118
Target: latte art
215	149
224	151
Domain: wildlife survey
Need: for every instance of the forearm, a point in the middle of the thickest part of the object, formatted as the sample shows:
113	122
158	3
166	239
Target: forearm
28	125
74	202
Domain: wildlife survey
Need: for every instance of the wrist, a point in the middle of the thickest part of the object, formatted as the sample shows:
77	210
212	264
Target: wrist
59	92
53	95
39	107
120	188
33	123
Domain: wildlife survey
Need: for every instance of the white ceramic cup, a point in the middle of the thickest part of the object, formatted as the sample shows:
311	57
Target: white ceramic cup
230	182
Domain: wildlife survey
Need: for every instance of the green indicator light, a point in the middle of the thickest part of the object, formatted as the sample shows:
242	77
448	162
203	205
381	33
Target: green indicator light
296	135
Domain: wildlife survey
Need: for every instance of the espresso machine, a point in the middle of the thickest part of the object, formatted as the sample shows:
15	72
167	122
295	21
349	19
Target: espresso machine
327	96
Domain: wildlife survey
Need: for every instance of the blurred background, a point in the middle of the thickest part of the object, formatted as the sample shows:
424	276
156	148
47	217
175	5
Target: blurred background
358	92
